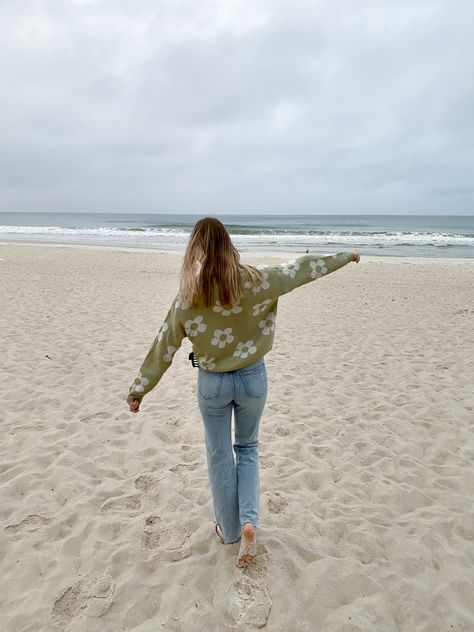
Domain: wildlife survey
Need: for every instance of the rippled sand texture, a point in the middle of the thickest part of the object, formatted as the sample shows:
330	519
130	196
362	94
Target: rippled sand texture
367	448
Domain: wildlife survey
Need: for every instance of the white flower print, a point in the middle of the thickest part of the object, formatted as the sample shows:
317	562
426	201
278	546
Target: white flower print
207	363
264	285
222	338
244	349
258	308
267	325
179	303
235	309
164	327
263	266
169	356
194	327
139	383
290	268
318	268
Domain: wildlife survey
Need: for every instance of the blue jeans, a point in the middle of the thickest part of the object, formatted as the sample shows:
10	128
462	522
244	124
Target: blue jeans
234	484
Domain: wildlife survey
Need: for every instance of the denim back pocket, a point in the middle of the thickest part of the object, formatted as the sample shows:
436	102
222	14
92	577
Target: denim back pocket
255	381
209	384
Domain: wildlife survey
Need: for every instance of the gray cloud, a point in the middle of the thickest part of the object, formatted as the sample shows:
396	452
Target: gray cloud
236	107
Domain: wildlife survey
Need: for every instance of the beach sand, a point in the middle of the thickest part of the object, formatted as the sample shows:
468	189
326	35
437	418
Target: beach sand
366	446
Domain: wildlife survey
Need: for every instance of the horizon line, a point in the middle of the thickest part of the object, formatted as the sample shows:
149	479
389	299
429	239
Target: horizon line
260	214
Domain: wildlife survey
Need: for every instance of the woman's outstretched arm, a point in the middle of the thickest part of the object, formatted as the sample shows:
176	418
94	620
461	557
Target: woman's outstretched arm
287	276
159	357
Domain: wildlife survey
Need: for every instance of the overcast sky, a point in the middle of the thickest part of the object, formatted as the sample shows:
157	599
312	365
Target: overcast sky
319	106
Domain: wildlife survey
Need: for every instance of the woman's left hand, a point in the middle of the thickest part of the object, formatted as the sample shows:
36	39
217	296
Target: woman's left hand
135	406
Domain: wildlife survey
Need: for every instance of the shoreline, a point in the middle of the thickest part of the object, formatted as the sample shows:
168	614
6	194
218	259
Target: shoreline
277	254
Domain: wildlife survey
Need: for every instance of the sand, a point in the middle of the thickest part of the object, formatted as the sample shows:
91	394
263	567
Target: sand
366	446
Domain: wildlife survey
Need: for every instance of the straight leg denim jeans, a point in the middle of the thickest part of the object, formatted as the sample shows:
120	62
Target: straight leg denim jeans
234	484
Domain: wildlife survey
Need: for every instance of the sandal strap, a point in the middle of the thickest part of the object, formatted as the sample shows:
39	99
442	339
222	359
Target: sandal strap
217	533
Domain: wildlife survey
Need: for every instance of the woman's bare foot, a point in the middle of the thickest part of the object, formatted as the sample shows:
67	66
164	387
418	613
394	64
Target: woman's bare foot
248	545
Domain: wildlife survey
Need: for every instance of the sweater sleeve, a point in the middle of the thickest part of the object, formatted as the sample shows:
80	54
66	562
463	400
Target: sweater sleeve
295	272
159	357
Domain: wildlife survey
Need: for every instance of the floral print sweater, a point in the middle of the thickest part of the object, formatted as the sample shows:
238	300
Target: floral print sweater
231	337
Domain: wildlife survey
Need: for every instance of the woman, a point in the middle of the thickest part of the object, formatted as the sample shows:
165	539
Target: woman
228	310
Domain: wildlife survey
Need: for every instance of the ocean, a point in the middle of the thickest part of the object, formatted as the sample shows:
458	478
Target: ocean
394	235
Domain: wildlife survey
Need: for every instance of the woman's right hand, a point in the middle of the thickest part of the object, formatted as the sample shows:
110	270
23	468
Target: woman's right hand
356	256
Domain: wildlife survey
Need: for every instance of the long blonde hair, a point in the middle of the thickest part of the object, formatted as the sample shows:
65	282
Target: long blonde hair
211	258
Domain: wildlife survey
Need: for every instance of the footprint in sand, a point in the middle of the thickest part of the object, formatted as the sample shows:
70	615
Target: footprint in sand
266	461
25	527
123	503
192	460
155	533
170	542
190	455
280	408
90	595
184	466
322	452
146	482
365	548
276	502
248	600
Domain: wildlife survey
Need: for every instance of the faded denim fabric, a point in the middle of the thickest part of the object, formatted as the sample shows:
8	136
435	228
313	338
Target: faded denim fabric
234	482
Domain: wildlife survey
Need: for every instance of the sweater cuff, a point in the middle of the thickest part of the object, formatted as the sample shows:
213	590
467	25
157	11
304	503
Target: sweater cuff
349	256
132	396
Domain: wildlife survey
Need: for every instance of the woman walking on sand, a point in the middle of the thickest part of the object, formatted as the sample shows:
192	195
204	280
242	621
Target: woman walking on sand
228	312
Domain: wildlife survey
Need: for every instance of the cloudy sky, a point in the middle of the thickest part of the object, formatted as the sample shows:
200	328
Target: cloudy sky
215	106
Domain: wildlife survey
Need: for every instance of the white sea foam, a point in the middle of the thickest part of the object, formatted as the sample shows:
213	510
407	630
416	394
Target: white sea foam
180	236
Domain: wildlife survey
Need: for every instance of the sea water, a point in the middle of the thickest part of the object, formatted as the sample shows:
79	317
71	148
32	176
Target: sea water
395	235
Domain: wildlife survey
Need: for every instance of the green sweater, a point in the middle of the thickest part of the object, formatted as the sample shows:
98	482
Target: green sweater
225	339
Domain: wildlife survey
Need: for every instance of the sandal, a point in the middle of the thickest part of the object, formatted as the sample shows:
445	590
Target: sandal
218	532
